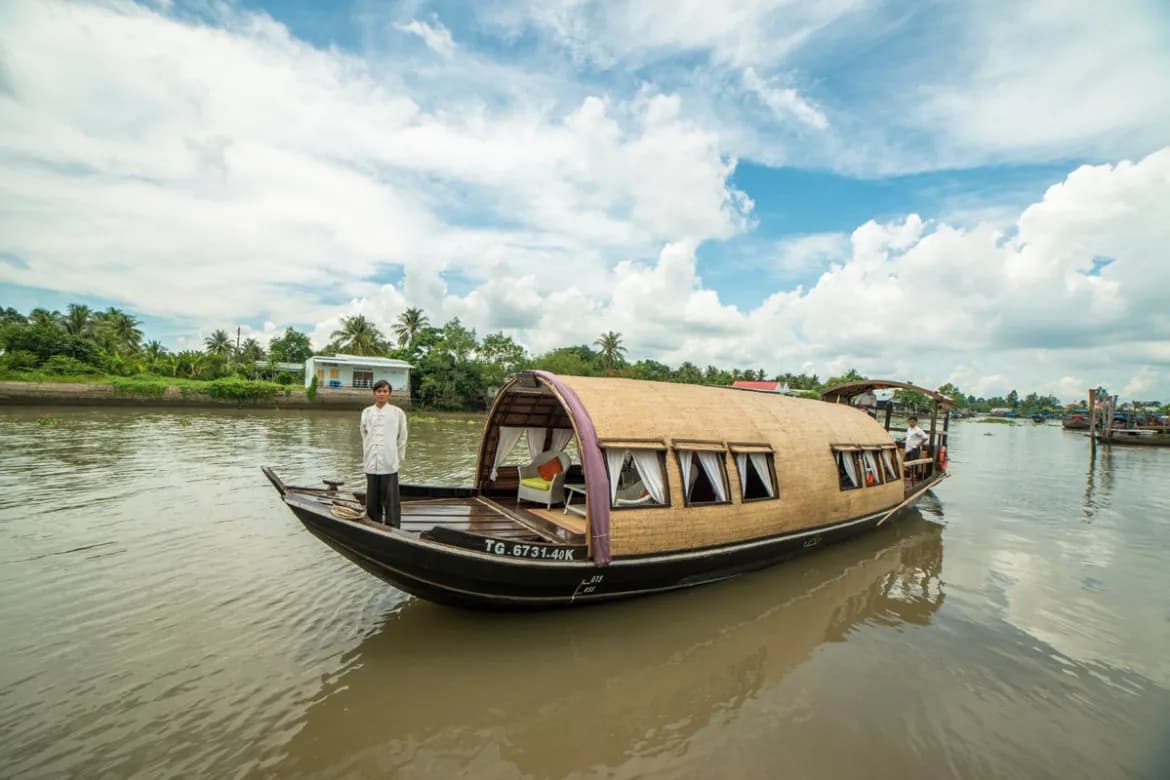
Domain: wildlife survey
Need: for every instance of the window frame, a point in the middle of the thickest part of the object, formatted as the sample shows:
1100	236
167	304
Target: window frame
879	469
696	446
655	445
747	448
852	450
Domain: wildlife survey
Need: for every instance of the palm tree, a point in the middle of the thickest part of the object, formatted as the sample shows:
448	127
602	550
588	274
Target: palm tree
153	351
219	344
78	320
118	331
410	323
610	349
251	352
359	336
43	318
191	363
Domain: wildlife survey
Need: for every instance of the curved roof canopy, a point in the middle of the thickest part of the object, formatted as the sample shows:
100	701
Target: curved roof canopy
848	390
609	412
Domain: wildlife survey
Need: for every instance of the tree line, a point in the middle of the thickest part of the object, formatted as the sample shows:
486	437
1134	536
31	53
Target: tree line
453	367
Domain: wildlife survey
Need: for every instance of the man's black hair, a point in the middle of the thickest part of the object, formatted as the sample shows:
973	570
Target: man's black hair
382	383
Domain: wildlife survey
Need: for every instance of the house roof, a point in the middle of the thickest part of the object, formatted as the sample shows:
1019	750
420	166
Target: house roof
771	387
360	360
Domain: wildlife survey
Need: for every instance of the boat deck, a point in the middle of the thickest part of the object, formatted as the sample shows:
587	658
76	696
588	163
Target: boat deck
484	517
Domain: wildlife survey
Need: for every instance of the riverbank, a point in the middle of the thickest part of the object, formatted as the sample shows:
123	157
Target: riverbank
155	393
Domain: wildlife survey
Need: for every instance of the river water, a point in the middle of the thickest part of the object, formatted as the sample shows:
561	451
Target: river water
162	614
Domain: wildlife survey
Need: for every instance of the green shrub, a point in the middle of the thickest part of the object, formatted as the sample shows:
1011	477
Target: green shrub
19	360
145	389
243	390
65	365
285	378
312	391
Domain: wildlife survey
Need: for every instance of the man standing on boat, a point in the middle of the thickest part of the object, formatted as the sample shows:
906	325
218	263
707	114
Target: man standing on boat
383	450
915	438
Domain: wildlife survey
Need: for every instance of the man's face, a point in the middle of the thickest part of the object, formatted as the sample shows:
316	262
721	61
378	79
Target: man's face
913	421
381	396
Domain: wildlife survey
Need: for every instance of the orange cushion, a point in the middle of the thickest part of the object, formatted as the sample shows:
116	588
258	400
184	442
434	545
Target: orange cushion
550	469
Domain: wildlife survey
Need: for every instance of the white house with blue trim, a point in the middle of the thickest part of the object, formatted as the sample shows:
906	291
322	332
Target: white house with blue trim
347	372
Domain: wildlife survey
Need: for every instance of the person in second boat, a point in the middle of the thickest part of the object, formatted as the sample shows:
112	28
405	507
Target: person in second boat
383	427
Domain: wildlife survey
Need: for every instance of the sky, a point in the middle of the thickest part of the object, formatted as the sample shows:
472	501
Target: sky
975	193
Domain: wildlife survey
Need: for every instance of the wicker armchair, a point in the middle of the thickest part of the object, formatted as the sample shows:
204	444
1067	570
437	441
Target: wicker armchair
534	488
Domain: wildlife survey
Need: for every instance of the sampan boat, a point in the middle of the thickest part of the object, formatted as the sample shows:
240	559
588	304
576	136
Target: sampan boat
674	486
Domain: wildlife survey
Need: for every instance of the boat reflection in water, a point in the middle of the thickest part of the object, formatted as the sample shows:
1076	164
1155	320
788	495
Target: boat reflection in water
438	692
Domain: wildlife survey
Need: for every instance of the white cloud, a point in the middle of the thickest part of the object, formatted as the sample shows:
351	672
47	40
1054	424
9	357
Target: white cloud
640	31
1034	79
236	171
815	250
230	172
435	36
785	102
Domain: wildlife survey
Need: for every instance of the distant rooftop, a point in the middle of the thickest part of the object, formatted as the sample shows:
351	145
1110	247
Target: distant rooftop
360	360
768	387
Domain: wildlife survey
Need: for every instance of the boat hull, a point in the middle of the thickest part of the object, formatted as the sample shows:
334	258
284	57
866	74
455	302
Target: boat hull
503	576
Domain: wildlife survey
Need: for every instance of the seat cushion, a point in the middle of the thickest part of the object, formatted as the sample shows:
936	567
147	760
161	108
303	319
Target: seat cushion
536	483
551	469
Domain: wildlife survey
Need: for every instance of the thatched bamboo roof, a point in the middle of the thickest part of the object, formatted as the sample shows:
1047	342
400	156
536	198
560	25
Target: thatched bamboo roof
610	412
634	409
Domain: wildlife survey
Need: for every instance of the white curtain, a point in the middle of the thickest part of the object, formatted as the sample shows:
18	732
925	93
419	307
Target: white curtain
760	462
710	463
509	435
871	467
535	441
741	467
560	437
888	462
846	458
650	472
613	463
684	462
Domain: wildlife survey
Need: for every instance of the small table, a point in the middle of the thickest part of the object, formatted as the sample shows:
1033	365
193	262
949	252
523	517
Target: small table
570	491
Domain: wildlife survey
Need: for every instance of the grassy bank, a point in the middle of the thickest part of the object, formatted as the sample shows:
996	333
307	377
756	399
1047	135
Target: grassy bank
153	386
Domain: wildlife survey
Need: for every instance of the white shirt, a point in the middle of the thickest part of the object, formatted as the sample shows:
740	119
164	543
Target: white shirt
915	438
866	399
383	439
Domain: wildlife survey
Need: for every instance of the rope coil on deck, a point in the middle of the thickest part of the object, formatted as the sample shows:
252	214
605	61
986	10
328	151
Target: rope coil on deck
347	510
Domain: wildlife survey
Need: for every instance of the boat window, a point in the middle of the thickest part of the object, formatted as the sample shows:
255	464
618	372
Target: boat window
636	477
757	475
704	477
848	469
889	463
871	473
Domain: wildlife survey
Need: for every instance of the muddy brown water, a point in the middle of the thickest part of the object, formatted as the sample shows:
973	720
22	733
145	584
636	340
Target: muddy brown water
163	615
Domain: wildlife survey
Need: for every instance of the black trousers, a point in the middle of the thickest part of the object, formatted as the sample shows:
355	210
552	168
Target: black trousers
382	503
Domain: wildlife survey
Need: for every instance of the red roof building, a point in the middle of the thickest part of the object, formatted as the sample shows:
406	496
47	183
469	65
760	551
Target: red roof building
768	387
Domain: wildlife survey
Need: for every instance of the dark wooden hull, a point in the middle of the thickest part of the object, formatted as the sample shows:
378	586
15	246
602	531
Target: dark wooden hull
497	577
1154	440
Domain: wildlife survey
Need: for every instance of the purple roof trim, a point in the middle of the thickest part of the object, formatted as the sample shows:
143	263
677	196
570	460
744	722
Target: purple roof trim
597	488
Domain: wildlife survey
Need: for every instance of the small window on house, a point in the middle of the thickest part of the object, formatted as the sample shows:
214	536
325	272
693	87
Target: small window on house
704	478
363	378
334	372
756	467
320	374
636	477
848	469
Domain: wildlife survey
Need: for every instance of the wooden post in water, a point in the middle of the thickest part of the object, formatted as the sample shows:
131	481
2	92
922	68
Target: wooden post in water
1092	423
